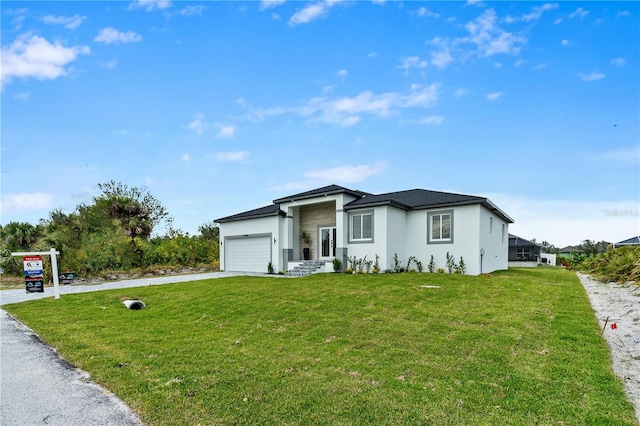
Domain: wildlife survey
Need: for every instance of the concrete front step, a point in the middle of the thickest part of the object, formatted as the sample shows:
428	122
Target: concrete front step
307	267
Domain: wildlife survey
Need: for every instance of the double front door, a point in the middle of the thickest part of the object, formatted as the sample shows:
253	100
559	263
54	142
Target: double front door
327	238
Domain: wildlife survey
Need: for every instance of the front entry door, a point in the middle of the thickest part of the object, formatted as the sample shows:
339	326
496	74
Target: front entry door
327	242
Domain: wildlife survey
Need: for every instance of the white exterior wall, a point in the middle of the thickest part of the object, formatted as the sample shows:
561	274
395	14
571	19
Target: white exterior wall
398	230
495	245
465	239
253	227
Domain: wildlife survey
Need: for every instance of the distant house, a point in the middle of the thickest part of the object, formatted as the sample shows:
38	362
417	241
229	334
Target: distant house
523	252
343	223
633	241
570	251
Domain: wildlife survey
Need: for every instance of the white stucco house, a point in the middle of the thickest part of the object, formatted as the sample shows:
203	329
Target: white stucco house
344	222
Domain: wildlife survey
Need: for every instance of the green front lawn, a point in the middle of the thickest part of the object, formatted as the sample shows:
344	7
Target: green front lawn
521	347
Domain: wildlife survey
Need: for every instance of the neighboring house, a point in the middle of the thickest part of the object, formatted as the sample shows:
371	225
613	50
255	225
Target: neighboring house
523	252
633	241
570	251
344	222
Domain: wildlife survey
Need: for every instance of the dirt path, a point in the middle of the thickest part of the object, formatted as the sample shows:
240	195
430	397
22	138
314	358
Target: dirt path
620	303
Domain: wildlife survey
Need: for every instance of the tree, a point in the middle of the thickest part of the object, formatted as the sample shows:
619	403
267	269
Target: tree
136	211
549	248
19	236
209	231
591	248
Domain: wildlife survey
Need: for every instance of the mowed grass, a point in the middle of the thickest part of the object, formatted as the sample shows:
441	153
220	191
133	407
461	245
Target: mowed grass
519	348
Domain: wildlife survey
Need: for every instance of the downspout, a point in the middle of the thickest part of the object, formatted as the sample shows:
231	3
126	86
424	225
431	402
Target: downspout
481	255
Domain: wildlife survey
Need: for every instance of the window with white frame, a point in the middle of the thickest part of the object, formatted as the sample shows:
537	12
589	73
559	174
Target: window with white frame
523	252
490	225
440	227
361	227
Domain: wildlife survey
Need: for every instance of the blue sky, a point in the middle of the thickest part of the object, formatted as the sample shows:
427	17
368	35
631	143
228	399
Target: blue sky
222	107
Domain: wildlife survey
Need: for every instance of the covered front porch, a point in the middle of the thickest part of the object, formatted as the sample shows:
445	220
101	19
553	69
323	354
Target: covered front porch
316	233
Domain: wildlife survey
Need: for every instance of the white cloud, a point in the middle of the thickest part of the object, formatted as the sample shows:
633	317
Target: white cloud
69	22
346	174
593	76
192	10
477	3
20	16
109	64
442	58
494	96
33	56
432	120
266	4
578	13
225	131
519	63
411	62
185	157
622	13
24	202
346	110
489	38
461	92
111	35
540	66
343	73
566	42
311	12
197	124
233	156
497	65
150	5
537	12
423	12
618	62
373	55
564	223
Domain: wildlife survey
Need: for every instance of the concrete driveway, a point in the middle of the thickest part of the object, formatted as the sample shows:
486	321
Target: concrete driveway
39	387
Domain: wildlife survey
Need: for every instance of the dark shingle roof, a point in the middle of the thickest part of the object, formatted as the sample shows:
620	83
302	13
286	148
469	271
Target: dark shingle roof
271	210
326	190
415	199
515	241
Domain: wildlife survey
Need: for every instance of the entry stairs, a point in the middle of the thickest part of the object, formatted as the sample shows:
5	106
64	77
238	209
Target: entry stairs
305	268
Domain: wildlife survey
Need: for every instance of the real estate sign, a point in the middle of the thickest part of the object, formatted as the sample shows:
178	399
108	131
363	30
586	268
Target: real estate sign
33	274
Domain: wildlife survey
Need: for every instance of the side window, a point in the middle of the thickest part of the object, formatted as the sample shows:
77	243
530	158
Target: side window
361	227
440	227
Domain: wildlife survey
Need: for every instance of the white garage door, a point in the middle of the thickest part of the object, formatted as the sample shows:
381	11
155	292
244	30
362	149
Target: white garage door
248	254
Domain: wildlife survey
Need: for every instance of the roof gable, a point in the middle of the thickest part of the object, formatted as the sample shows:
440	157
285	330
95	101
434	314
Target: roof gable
320	192
633	241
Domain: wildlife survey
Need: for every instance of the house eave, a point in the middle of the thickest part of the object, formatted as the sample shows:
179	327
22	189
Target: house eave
256	216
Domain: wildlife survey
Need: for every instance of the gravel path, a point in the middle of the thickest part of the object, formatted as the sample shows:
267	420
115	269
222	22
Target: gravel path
618	305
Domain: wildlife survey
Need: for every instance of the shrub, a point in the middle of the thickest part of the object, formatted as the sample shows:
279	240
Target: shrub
451	263
337	265
432	265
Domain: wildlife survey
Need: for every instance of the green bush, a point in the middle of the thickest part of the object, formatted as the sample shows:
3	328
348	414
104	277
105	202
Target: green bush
621	265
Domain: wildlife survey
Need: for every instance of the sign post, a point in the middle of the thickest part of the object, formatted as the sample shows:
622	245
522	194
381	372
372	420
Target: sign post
30	270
